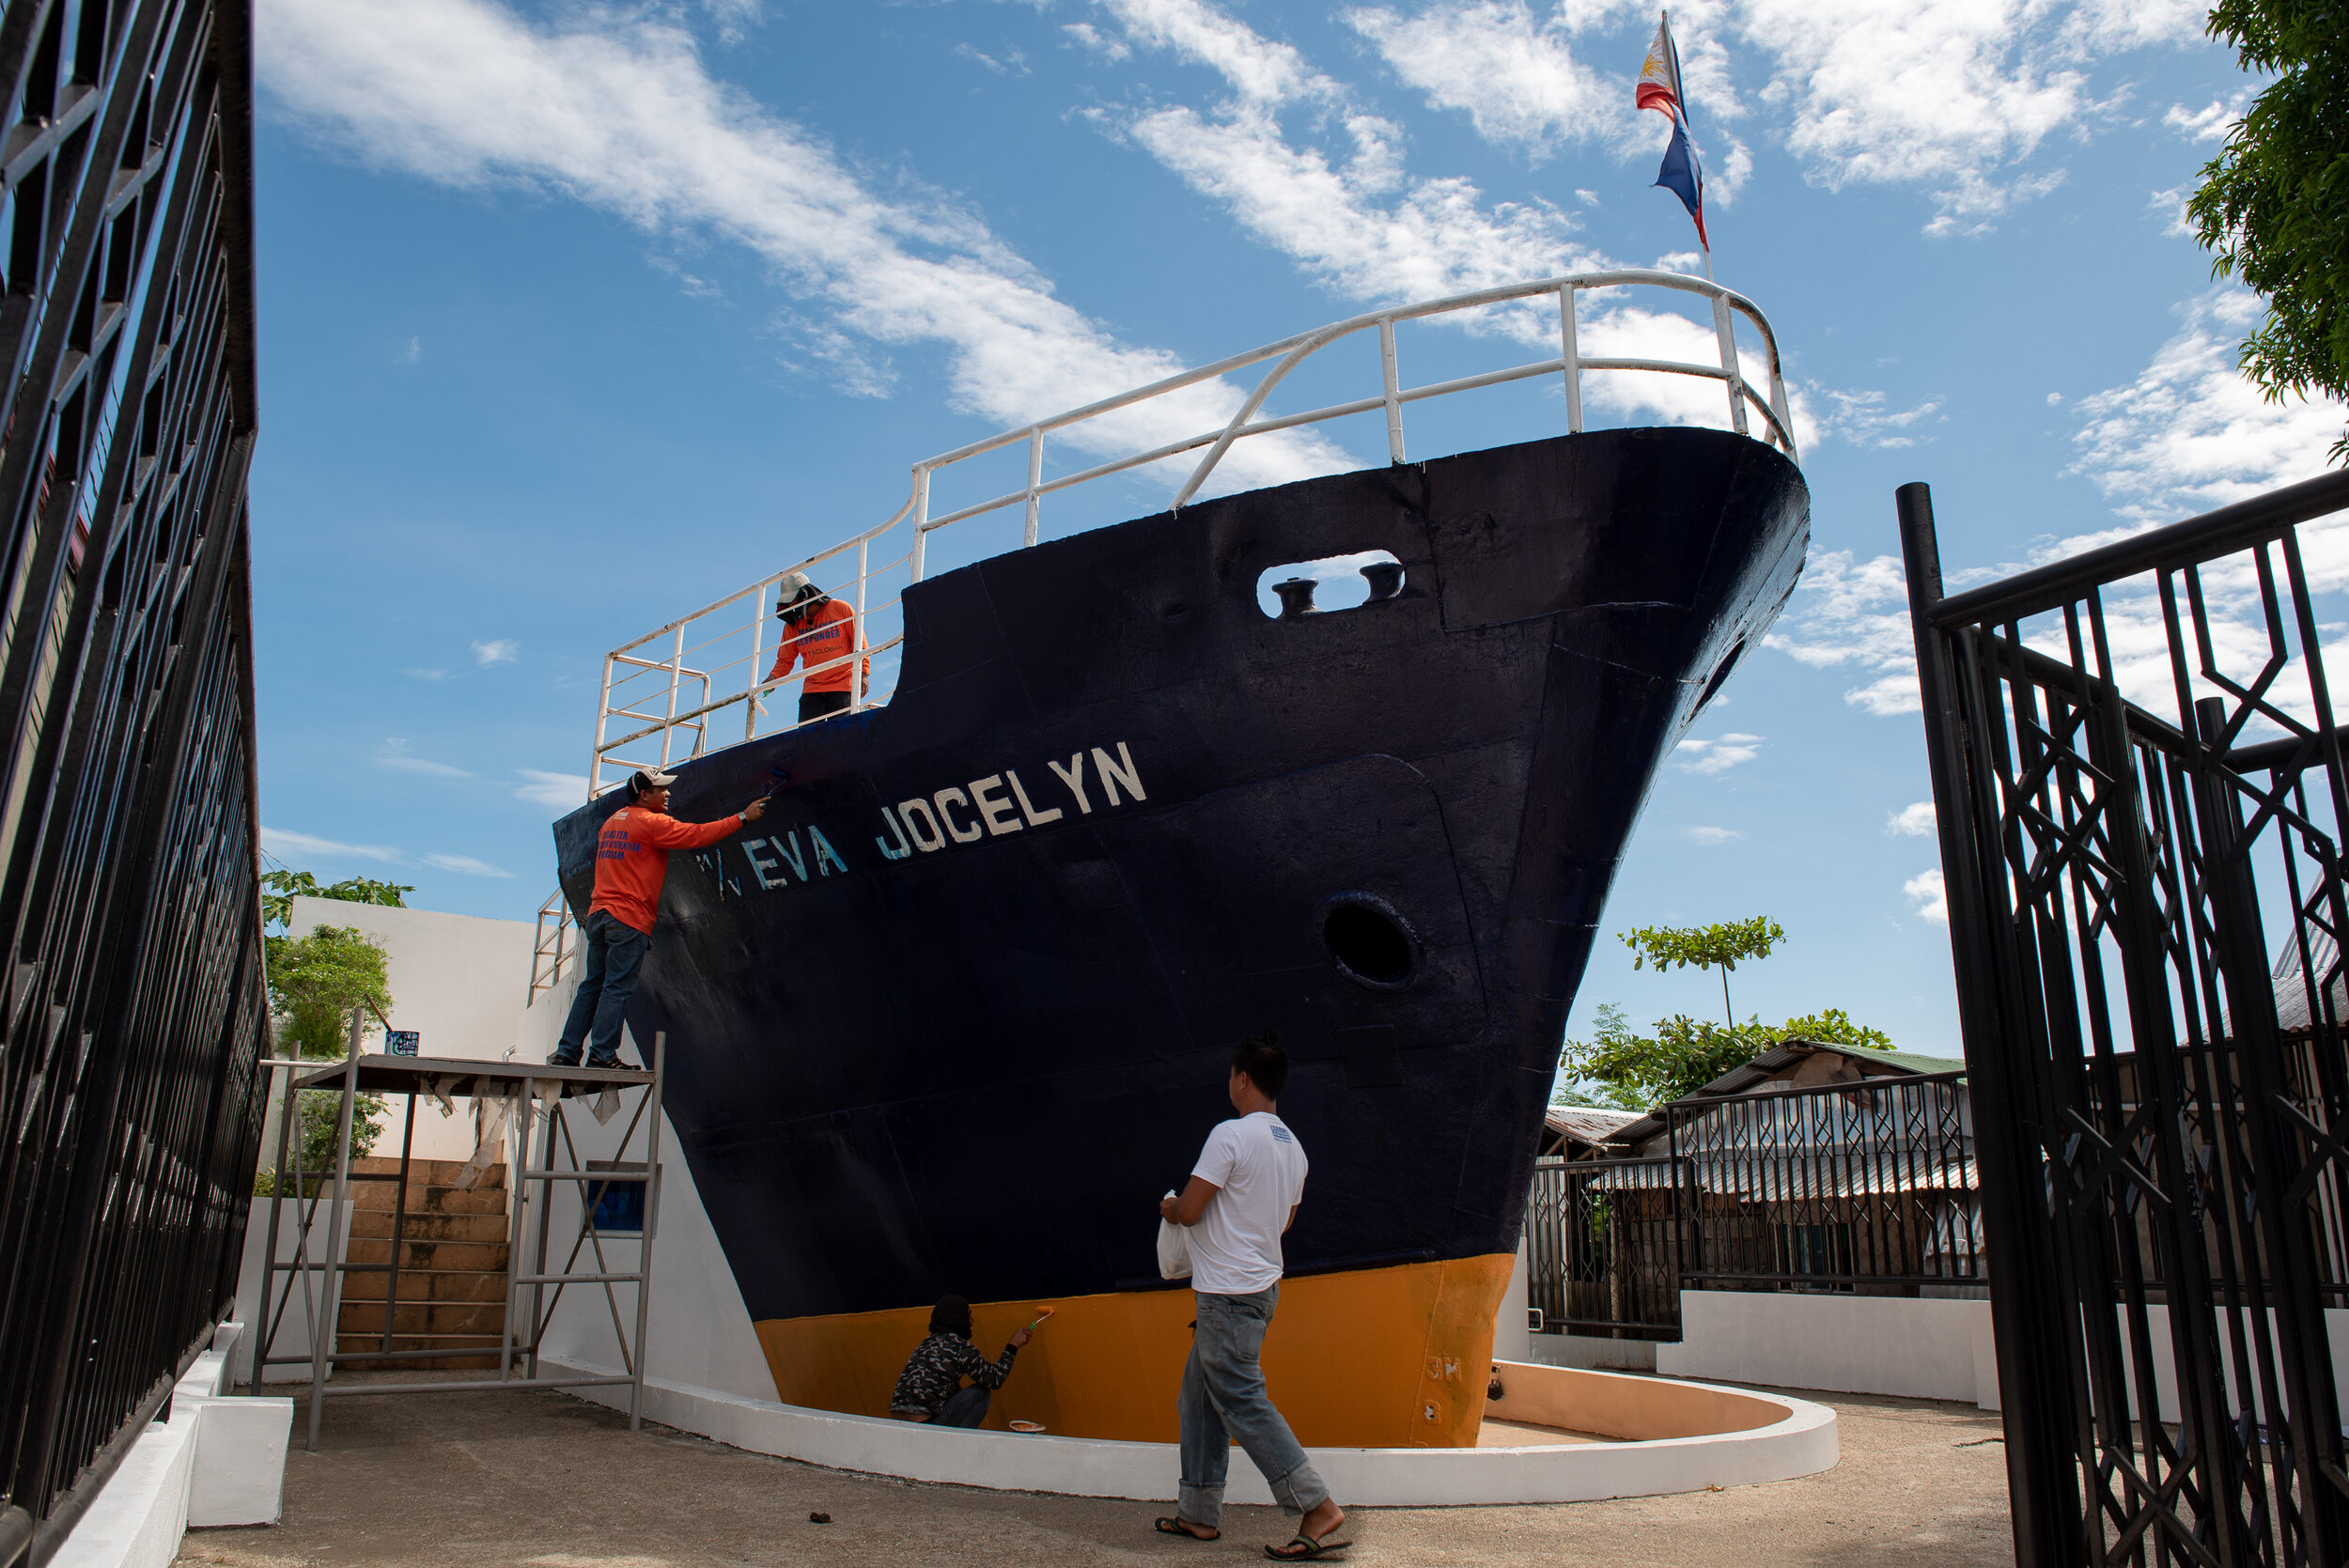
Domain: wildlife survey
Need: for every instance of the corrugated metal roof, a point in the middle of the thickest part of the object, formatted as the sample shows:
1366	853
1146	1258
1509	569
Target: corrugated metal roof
1756	1180
1588	1124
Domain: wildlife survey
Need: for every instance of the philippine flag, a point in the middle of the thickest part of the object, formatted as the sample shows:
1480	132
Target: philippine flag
1659	90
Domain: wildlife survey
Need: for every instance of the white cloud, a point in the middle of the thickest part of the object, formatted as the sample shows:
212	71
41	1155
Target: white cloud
1697	833
620	112
395	756
1930	896
1520	82
1853	612
407	352
563	792
1862	419
465	865
1012	64
1953	95
1717	755
501	651
1914	820
414	673
285	844
1092	38
2214	122
2189	433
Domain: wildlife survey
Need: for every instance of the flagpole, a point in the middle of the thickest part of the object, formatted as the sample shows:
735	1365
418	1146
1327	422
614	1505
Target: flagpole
1680	101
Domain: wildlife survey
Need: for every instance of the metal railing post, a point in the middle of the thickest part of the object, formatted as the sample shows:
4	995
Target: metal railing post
857	681
323	1326
921	518
1035	477
1569	349
1393	389
1724	331
758	651
603	717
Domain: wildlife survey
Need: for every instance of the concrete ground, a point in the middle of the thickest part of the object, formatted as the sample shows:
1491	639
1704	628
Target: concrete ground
543	1481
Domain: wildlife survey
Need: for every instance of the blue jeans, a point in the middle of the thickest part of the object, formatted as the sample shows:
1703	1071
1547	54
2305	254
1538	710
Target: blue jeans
615	950
1224	1401
963	1407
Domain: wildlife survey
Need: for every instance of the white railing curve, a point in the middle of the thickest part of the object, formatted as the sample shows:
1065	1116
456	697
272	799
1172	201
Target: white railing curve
652	702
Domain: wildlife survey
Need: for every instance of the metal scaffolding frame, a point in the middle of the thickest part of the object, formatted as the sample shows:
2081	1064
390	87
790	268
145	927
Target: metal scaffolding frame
540	1152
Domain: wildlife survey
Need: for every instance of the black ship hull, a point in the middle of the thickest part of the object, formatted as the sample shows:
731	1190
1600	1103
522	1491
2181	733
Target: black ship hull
957	1012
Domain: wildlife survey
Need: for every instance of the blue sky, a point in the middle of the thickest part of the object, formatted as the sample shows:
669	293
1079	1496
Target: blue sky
575	317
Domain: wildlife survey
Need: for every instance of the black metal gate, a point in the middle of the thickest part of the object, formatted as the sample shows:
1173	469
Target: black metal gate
133	1009
1602	1242
2143	797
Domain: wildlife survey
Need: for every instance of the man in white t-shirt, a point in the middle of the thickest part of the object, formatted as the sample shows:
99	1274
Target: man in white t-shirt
1242	1195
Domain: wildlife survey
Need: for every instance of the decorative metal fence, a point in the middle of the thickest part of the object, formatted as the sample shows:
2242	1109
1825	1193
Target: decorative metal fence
132	1010
2141	795
1863	1187
1603	1241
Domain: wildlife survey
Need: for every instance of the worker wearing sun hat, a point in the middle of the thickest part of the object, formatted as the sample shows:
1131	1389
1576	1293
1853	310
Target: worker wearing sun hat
631	862
819	634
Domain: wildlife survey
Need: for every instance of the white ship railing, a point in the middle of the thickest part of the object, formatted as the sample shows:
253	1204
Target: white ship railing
677	693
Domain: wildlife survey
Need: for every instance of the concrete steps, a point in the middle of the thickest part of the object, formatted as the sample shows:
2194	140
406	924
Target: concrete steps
452	1263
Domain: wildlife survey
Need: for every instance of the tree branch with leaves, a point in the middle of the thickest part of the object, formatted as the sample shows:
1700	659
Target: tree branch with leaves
1705	947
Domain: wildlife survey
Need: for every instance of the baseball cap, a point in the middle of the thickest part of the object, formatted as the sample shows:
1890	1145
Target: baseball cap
649	778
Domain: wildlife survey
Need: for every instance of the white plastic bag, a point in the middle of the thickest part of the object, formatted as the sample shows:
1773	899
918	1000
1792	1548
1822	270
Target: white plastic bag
1173	1251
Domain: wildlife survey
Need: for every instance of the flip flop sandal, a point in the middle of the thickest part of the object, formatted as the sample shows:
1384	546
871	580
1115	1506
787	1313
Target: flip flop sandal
1313	1548
1178	1526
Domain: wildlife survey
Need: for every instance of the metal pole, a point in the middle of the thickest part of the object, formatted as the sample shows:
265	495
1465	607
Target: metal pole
268	1258
517	1161
2029	1324
330	1296
1570	349
545	1223
603	717
653	1210
857	680
1035	477
399	1220
1394	390
758	651
921	518
1726	332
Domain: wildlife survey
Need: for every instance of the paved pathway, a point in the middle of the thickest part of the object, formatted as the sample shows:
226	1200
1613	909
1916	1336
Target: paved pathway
541	1481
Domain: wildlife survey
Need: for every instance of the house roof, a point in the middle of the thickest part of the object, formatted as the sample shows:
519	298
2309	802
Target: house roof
1588	1124
1785	1054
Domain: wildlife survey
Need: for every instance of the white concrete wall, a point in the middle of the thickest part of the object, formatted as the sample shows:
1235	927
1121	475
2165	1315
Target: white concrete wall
700	1333
1839	1343
2166	1366
215	1460
1512	1336
293	1326
458	980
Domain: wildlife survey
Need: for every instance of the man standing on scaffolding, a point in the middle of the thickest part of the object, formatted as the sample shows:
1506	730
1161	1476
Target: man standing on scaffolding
818	635
632	863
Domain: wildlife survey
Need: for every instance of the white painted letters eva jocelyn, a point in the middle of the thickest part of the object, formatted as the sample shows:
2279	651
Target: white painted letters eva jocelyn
991	807
999	804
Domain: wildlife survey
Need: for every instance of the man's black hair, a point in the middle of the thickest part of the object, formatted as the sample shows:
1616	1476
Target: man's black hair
951	1315
1265	1063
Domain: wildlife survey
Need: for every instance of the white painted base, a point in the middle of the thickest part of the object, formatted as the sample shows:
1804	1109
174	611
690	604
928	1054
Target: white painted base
1803	1442
1874	1344
1580	1350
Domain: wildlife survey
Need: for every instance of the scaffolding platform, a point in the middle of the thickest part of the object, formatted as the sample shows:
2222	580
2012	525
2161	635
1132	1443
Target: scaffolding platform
540	1152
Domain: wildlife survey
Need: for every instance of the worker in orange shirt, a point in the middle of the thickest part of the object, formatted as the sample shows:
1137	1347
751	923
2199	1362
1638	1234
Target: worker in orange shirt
631	862
816	631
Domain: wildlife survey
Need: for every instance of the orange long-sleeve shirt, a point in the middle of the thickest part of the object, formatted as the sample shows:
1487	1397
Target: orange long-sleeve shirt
632	859
827	635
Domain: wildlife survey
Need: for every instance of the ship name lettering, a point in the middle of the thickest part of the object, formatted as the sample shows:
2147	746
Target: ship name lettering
788	852
999	804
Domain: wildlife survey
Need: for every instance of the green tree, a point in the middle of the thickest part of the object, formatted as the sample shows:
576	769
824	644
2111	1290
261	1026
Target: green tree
317	1118
2273	205
282	887
1639	1072
316	982
1705	947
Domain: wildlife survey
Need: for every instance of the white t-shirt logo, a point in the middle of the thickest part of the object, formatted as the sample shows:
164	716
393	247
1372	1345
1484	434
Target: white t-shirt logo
1259	1169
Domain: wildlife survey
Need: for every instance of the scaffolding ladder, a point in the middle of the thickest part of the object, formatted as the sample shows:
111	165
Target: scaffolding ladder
540	1154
